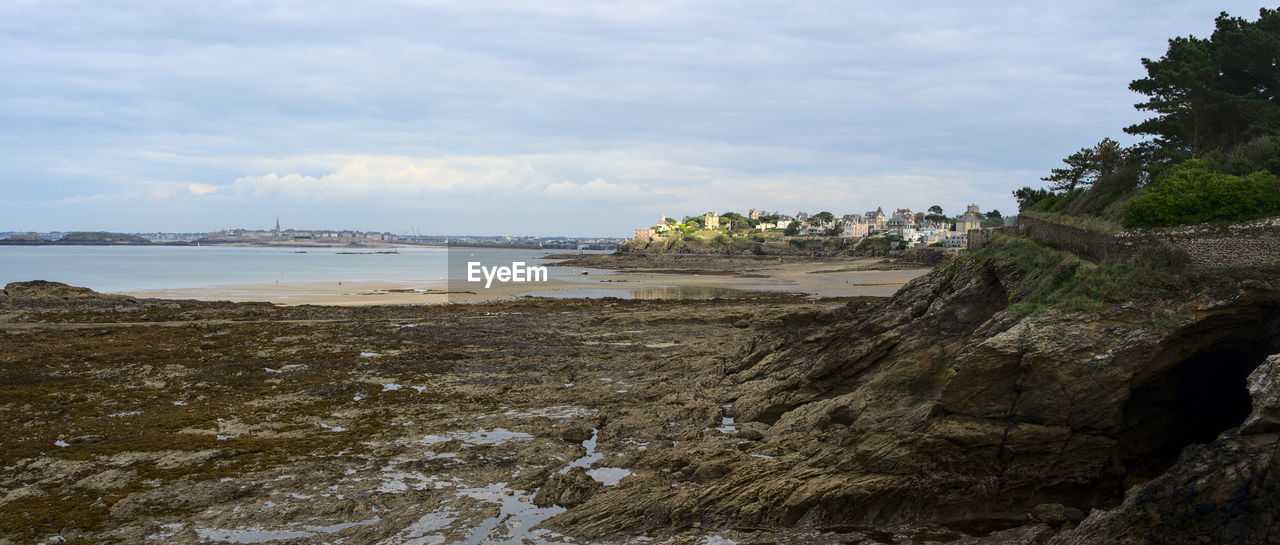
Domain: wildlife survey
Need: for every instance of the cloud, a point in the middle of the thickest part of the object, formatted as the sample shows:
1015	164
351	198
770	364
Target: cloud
597	190
649	107
391	177
202	189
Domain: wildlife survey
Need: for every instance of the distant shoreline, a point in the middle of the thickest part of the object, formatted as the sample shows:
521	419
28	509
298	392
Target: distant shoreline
8	242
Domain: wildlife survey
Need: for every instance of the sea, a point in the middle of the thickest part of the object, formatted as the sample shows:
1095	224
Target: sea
110	269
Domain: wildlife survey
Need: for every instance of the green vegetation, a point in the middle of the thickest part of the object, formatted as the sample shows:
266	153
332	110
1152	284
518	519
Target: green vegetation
100	237
878	246
1216	101
1215	93
1081	222
737	222
1195	192
1052	279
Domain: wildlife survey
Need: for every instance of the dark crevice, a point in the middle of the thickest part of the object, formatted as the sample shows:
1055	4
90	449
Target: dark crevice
1195	400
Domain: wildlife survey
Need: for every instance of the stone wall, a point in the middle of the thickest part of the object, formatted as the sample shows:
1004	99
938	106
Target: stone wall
978	238
1247	244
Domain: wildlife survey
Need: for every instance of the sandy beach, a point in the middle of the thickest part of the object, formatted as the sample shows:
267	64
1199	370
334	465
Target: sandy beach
850	278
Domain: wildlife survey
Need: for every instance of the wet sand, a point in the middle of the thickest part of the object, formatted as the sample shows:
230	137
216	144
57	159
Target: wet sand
851	278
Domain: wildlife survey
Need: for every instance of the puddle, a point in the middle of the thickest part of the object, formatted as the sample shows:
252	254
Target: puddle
589	458
252	535
559	412
517	515
391	387
609	475
424	530
439	456
638	444
496	436
517	518
261	535
369	354
515	521
727	425
665	292
394	481
331	428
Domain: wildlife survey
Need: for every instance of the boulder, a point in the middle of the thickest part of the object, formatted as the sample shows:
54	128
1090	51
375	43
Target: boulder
567	489
1264	388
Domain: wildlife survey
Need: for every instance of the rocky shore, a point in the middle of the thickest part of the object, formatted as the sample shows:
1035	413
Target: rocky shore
1015	395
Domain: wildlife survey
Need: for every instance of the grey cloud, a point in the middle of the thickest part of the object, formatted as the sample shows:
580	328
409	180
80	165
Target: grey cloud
979	96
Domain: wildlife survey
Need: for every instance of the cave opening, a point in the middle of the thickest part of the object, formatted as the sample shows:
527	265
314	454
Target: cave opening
1195	400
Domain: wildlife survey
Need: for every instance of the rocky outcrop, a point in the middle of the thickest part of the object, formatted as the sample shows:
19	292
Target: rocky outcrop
1264	389
38	294
567	489
946	407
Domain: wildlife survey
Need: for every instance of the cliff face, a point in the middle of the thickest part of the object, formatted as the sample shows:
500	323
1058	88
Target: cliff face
946	406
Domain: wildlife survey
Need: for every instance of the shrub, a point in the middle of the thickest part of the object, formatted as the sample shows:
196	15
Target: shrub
1194	192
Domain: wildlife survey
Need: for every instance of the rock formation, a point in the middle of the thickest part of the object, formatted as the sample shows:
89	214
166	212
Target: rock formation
945	406
567	489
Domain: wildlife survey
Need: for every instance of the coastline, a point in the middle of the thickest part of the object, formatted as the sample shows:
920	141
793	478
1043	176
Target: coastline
820	279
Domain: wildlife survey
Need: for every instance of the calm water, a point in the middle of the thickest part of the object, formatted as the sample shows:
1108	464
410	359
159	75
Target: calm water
128	268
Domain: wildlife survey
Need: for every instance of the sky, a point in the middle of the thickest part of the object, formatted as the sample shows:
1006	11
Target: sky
550	117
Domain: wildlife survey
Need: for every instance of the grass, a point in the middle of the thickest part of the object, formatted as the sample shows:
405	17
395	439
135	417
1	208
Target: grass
1098	225
1048	279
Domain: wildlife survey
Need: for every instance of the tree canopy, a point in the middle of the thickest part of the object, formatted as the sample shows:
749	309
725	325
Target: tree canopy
1214	100
737	222
1087	165
1214	93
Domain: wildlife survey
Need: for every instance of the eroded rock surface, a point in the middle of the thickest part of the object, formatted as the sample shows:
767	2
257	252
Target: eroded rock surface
950	412
567	489
943	408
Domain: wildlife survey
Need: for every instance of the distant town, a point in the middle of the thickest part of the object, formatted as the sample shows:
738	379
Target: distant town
907	228
903	226
303	237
